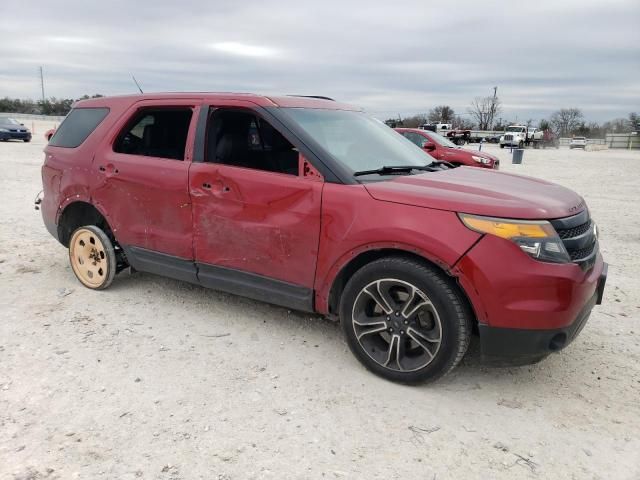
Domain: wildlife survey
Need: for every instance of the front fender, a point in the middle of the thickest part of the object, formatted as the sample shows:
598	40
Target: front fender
353	222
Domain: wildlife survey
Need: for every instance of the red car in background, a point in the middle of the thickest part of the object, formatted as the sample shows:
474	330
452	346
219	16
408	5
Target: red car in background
443	149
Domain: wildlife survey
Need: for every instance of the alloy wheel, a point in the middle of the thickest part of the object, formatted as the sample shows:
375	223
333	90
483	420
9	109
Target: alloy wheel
397	325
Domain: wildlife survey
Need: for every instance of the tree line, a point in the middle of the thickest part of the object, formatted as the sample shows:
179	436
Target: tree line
50	106
484	114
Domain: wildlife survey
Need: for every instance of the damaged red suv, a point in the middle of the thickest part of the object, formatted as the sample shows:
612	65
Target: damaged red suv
313	205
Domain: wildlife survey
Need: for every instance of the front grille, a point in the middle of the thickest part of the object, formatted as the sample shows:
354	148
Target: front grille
508	137
575	231
578	235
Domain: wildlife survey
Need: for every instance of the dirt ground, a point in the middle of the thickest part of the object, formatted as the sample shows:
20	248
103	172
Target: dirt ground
160	379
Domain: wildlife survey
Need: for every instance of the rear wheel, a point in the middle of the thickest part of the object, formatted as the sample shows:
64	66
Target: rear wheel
26	140
404	320
92	257
501	145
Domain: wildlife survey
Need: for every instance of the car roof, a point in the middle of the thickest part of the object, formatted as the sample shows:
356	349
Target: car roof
260	100
417	130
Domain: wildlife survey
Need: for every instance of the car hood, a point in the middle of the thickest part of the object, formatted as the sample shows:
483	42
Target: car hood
481	192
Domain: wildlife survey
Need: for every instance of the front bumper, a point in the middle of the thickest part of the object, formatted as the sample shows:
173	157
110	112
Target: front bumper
526	308
20	135
513	346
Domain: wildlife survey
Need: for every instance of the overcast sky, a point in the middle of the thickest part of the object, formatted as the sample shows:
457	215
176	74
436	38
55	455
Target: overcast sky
389	57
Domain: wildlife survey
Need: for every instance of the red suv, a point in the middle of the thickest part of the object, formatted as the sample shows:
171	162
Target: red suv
442	148
313	205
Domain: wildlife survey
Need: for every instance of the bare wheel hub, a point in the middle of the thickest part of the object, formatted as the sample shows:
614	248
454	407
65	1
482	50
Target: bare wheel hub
88	258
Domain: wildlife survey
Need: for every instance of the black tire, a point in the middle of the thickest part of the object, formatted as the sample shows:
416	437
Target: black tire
437	333
501	145
521	145
92	257
26	140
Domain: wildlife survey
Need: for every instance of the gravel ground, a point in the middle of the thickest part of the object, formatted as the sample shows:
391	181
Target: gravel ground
160	379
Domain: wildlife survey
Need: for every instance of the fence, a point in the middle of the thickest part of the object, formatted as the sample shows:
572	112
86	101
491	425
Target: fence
29	116
623	140
564	142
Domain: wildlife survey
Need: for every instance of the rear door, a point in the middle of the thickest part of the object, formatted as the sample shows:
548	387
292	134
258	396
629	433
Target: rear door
141	174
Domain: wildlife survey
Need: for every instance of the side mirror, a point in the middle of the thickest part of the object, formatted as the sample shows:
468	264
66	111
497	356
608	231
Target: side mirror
429	147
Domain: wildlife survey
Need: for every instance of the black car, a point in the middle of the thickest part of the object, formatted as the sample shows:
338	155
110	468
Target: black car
11	129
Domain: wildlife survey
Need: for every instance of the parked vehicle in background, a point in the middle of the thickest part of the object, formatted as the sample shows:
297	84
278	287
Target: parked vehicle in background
12	129
457	136
520	136
316	206
578	142
549	139
440	128
443	149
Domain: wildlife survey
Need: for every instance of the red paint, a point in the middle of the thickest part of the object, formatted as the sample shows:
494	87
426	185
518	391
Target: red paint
512	290
302	230
256	221
457	156
481	192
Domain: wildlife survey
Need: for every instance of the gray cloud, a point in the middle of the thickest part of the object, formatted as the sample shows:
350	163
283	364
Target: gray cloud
402	57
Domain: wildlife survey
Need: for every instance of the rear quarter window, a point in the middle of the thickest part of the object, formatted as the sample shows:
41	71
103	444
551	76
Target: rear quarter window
78	126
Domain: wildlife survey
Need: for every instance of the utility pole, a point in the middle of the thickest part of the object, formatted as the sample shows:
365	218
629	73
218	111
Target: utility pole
42	84
493	107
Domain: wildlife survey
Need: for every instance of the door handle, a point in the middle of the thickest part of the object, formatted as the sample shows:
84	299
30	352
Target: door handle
216	187
109	169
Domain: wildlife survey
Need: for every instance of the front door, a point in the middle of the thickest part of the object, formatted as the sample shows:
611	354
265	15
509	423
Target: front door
256	214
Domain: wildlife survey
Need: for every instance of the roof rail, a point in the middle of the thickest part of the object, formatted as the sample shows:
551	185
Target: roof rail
321	97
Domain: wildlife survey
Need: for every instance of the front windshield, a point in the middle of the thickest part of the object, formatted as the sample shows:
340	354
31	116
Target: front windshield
440	140
357	140
514	129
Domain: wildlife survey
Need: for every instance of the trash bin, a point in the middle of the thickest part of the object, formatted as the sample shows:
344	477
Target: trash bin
517	155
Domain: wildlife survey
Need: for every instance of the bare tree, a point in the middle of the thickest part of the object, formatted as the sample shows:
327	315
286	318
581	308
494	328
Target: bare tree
566	120
442	113
415	120
485	109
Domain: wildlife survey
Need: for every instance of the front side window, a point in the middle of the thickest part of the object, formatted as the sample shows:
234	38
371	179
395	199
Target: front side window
356	140
442	141
243	139
416	138
156	132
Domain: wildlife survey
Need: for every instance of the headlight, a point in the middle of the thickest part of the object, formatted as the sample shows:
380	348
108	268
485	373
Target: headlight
537	238
3	130
482	160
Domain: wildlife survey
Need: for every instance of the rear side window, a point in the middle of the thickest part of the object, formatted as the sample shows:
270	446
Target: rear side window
156	132
78	126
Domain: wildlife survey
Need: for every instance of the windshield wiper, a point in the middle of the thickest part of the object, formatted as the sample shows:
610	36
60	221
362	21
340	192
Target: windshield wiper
390	170
441	162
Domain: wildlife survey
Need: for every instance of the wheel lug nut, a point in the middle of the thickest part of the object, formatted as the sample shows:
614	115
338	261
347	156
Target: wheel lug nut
406	322
391	329
388	318
401	332
397	314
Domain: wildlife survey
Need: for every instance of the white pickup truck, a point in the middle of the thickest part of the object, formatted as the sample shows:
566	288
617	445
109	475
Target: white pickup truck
520	135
